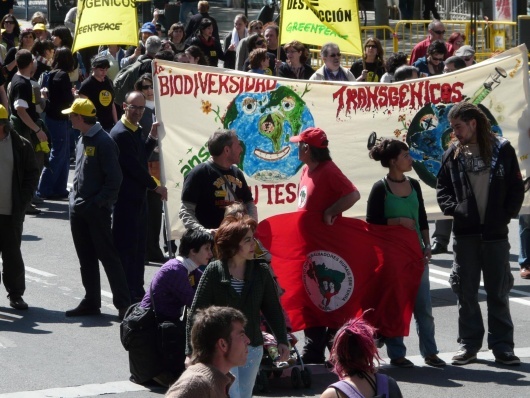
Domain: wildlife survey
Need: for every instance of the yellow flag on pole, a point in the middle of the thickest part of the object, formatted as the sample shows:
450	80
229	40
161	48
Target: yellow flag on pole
318	22
101	22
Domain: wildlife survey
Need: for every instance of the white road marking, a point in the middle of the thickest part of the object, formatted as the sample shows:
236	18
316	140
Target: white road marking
106	294
87	390
481	291
39	272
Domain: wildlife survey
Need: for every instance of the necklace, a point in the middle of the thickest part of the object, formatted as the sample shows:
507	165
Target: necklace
397	181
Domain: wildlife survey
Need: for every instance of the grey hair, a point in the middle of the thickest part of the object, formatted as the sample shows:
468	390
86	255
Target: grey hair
153	44
326	47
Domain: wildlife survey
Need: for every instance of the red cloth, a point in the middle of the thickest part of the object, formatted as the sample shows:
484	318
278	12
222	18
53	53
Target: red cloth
383	264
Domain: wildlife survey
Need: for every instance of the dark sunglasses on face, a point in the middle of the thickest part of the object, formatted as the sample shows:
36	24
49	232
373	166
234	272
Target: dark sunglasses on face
370	46
437	59
9	22
439	32
467	59
334	55
147	86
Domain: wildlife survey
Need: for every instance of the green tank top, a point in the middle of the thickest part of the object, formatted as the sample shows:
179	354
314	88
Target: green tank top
408	206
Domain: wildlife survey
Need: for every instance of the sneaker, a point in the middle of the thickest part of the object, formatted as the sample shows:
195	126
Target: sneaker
507	358
18	303
434	360
525	273
401	363
463	357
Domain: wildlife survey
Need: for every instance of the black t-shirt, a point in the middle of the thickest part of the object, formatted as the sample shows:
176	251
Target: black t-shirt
21	90
101	94
375	70
5	6
205	187
60	95
10	57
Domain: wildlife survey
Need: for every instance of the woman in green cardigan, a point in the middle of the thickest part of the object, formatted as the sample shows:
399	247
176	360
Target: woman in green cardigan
238	280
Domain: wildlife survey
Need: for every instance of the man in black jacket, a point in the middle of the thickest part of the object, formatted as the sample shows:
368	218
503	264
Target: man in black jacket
480	186
18	179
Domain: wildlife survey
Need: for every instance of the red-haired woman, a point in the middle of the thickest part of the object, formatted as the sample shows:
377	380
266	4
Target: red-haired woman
455	41
238	280
354	358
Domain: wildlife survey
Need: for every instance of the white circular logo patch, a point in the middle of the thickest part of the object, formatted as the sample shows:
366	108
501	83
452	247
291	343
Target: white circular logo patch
328	280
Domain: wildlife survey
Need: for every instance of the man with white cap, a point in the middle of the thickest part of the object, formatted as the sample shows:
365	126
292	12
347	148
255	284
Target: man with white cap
323	188
19	175
97	181
467	53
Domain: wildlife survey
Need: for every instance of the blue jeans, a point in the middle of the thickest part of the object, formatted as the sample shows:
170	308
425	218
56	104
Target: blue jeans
473	255
524	240
424	324
185	9
246	375
55	175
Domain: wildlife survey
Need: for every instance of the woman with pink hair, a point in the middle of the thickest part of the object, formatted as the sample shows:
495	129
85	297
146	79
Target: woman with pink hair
455	41
355	359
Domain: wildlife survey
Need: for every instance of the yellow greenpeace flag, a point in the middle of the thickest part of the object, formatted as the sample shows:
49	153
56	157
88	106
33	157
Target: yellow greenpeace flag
101	22
318	22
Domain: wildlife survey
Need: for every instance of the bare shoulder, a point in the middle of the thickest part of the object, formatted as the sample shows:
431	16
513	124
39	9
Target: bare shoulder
330	393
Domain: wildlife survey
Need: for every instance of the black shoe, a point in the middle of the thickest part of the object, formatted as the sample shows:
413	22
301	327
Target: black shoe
83	310
401	363
507	358
434	360
463	357
438	248
32	210
18	303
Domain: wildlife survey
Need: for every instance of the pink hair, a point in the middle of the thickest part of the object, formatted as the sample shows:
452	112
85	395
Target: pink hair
354	349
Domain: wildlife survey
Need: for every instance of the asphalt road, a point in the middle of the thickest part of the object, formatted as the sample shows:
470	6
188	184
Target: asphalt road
44	354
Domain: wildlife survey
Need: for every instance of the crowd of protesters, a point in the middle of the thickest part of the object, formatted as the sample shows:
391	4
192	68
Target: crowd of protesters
53	96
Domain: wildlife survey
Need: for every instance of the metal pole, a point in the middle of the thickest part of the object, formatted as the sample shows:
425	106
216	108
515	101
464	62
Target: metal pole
27	10
246	8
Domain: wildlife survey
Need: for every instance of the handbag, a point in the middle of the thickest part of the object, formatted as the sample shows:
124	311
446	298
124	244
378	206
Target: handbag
171	335
138	323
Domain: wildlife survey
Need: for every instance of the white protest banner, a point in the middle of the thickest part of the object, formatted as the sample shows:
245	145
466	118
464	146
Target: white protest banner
193	101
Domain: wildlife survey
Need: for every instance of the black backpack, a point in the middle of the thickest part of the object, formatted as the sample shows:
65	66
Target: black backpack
125	79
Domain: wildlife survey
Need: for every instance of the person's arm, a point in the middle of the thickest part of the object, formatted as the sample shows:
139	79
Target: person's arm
114	112
341	205
270	306
188	217
252	210
241	54
3	97
110	168
515	189
28	121
10	61
30	177
69	19
445	193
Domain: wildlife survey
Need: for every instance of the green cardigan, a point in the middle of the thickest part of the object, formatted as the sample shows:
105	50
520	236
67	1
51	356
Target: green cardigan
258	295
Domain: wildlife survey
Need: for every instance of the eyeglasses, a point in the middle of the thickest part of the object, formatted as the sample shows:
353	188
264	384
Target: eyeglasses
370	46
260	42
439	32
9	22
467	59
136	108
147	87
334	55
437	59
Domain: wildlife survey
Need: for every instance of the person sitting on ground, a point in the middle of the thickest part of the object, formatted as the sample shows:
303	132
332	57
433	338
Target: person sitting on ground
172	289
394	61
332	70
371	67
433	63
296	66
219	343
354	358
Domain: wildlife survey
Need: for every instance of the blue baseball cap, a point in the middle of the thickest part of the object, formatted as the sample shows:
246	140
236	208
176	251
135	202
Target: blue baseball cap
148	27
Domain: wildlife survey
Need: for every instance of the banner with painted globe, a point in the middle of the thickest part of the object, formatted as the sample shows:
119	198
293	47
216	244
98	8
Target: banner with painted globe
193	101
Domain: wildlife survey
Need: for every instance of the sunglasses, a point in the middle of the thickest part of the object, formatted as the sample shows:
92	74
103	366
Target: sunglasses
136	108
334	55
9	22
260	42
437	59
147	87
370	46
467	59
439	32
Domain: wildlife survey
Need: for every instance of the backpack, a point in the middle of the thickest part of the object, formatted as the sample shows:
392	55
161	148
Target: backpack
125	79
44	79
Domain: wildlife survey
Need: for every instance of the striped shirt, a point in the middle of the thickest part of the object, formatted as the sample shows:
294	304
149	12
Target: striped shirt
237	284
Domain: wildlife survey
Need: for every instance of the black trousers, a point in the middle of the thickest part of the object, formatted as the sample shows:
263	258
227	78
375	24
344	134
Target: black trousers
129	230
316	341
13	271
91	232
154	223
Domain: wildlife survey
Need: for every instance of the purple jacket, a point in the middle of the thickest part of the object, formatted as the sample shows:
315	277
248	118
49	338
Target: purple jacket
173	288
